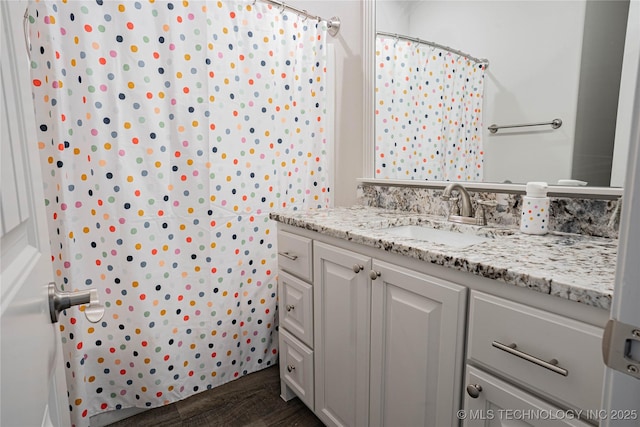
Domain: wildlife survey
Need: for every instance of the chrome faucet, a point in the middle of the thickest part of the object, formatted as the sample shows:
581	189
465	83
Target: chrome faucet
466	215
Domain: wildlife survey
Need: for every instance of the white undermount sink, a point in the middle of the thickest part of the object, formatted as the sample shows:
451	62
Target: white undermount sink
428	234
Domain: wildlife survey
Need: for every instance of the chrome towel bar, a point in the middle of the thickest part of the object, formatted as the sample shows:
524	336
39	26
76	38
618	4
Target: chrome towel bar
555	124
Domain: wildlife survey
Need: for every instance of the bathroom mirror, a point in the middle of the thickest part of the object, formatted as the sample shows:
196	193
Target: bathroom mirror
547	60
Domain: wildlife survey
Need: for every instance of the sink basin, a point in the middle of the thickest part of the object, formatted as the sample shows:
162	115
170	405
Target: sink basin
428	234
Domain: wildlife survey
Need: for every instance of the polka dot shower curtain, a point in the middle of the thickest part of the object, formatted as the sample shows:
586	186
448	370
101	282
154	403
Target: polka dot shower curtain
168	130
428	113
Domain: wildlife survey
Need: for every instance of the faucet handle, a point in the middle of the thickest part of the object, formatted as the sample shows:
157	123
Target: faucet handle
481	218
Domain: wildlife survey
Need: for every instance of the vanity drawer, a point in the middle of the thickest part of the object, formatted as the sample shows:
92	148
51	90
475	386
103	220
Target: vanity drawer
496	324
296	307
296	367
294	255
492	401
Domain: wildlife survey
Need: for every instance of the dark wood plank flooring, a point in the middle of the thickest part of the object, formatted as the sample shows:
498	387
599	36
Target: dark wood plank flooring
251	401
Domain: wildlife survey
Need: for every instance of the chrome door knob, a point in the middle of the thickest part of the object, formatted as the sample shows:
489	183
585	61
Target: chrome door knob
373	275
290	307
473	390
61	300
357	268
291	368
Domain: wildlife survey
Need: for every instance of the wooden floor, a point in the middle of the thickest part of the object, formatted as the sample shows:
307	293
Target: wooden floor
251	401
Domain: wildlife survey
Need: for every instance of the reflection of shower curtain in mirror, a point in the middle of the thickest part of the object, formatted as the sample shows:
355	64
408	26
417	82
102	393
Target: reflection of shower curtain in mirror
428	113
168	131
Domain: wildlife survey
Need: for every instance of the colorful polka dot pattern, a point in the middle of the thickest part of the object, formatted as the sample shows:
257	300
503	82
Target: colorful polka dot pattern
535	215
428	113
168	130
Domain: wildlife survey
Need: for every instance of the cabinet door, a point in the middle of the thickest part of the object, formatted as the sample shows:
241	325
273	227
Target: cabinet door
417	339
341	300
501	404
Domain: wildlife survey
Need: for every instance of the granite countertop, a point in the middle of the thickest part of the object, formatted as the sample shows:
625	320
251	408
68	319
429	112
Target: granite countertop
572	266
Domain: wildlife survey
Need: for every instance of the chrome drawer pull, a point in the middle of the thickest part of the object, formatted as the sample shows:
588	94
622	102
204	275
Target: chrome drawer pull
290	307
551	365
291	368
288	255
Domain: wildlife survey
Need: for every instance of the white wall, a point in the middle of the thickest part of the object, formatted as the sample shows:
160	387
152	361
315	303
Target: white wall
393	16
348	92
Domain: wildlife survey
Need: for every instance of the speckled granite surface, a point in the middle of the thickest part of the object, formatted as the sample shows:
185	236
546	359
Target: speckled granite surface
594	217
572	266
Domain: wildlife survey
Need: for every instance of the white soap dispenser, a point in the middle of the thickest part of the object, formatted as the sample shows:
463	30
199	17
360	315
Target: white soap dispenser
535	209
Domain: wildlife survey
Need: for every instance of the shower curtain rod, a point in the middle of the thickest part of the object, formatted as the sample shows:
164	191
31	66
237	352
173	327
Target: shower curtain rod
447	48
333	24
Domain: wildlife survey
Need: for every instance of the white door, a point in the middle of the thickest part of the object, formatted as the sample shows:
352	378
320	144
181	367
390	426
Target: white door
621	393
33	390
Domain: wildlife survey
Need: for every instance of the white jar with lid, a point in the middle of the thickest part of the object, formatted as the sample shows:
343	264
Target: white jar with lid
535	209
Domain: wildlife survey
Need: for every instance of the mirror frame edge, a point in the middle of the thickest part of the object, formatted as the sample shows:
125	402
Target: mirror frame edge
368	58
368	64
606	193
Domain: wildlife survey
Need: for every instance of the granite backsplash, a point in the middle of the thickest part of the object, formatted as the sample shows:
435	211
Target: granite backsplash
593	217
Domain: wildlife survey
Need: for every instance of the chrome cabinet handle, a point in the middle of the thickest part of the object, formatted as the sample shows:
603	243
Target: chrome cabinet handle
291	368
373	275
473	390
290	307
357	268
551	365
288	255
61	300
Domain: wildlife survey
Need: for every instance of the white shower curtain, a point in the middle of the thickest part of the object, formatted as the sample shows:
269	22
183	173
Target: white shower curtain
168	130
428	113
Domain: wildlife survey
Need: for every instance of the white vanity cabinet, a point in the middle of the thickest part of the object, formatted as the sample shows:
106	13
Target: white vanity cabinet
371	338
388	342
